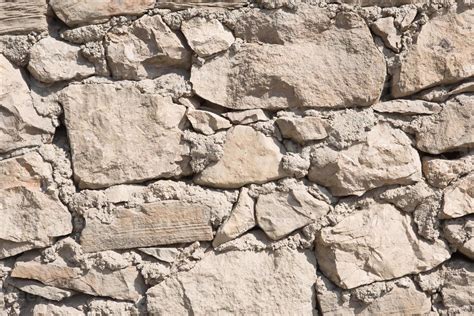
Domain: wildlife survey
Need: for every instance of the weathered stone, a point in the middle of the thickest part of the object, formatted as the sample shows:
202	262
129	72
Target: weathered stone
386	157
52	60
23	16
442	54
147	48
121	135
207	37
242	283
74	12
32	217
39	289
381	3
457	292
240	220
441	172
451	129
47	308
159	223
120	284
407	107
460	233
459	198
386	29
409	197
206	122
247	116
306	72
249	157
374	244
303	129
190	4
20	124
166	254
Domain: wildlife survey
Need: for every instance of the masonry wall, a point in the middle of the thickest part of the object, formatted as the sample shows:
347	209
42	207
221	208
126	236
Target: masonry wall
235	158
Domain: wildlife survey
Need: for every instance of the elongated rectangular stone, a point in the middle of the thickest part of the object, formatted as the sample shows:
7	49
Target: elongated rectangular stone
22	16
160	223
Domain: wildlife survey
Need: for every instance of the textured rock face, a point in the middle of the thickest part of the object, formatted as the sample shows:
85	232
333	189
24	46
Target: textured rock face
459	198
103	138
23	16
302	130
375	244
231	281
460	234
441	172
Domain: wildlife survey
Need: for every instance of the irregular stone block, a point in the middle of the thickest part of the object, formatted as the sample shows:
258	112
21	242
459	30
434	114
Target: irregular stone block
187	4
385	157
121	135
442	54
23	16
20	124
166	254
459	198
52	60
441	172
76	12
206	122
457	292
407	107
39	289
374	244
460	233
246	117
249	157
386	29
159	223
381	3
303	129
242	283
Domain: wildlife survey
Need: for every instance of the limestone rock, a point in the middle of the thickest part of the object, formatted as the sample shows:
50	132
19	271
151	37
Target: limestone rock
159	223
303	129
457	292
23	16
52	60
407	107
247	116
249	157
386	157
451	129
385	28
166	254
207	122
192	4
242	283
459	198
20	124
374	244
460	233
408	197
307	72
441	172
207	37
32	217
381	3
39	289
240	220
121	135
442	54
74	12
147	48
47	308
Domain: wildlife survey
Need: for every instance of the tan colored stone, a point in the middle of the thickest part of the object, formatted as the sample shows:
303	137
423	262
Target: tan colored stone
442	54
240	283
457	291
207	122
451	129
459	198
32	216
52	60
246	117
322	67
39	289
441	172
47	308
240	220
190	4
407	107
20	124
303	129
249	157
460	233
386	29
207	37
121	135
386	157
381	3
120	284
374	244
23	16
146	49
151	224
166	254
76	12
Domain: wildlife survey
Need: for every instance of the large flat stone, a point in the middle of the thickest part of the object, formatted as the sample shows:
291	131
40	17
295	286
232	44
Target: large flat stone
23	16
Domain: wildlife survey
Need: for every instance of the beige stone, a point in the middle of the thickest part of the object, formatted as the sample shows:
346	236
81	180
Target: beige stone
441	172
121	135
207	37
451	129
381	3
442	54
151	224
386	157
20	124
247	116
47	308
459	198
374	244
52	60
240	220
322	67
249	157
39	289
407	107
460	233
303	129
146	49
386	29
191	4
32	217
240	283
457	292
23	16
207	122
76	12
166	254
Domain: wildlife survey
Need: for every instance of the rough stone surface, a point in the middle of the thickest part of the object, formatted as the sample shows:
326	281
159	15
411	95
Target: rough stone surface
23	16
385	28
459	198
302	130
407	107
207	122
441	172
247	116
460	233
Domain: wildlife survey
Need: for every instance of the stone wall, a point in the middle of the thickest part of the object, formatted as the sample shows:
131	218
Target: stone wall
279	157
